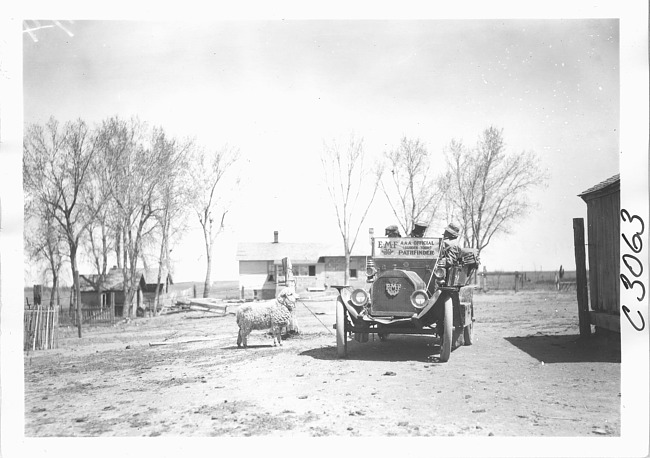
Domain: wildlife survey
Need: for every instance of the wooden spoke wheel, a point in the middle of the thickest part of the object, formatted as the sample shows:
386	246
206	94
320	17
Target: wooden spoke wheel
341	335
447	331
468	330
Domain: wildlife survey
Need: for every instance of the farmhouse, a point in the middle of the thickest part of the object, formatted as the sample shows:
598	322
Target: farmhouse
316	266
603	215
114	285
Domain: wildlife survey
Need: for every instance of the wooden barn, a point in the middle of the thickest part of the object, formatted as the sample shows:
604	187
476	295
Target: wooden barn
146	293
603	228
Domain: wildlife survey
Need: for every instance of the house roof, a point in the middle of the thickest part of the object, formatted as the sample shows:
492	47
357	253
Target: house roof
114	279
113	282
299	253
604	187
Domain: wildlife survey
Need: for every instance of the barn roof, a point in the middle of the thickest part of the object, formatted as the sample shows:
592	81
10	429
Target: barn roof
299	253
604	187
150	276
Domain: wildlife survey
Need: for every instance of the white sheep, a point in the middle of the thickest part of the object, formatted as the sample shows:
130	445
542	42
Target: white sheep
266	315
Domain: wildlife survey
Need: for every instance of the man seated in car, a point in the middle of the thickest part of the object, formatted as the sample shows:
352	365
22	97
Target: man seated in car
450	250
392	231
419	229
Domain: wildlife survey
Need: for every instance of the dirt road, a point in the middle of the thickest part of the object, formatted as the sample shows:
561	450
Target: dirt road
526	375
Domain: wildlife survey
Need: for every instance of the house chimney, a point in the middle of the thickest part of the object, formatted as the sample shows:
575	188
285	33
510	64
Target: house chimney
275	236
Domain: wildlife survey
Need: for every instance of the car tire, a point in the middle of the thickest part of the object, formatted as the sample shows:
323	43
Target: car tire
341	335
447	331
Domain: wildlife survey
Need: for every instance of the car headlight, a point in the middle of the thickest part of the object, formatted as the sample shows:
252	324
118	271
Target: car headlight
440	273
370	271
359	297
419	298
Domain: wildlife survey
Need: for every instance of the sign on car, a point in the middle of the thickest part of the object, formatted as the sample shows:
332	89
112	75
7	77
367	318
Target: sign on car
413	248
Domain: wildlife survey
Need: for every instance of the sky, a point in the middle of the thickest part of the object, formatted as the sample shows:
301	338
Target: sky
278	89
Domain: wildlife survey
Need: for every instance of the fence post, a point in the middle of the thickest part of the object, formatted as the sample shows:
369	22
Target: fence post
516	281
112	295
581	277
38	294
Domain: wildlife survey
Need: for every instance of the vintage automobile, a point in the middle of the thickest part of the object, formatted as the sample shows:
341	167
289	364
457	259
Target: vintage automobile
417	285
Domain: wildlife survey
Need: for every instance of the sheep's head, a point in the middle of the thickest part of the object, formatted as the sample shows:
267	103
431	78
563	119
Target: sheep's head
288	297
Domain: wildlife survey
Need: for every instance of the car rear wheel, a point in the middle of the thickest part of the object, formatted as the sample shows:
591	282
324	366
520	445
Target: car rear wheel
341	335
447	331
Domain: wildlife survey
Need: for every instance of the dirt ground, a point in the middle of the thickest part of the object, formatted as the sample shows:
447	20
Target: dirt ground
526	375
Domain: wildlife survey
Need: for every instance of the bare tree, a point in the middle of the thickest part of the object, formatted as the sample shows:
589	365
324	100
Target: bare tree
490	187
412	184
214	182
56	170
346	177
98	240
173	197
132	172
43	241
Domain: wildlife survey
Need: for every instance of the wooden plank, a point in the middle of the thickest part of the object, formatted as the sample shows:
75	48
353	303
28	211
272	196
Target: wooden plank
581	276
176	342
199	308
605	320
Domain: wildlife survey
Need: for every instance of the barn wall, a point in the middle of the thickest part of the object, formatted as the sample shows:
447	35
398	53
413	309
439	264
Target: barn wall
305	281
334	270
604	250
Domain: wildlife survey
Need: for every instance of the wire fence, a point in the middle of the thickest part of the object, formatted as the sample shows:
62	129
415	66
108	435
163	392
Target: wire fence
526	280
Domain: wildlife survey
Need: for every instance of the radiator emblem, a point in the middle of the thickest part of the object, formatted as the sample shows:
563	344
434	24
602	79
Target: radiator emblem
393	288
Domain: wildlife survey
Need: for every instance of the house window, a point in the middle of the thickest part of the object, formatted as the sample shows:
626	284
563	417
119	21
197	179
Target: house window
353	273
272	271
304	270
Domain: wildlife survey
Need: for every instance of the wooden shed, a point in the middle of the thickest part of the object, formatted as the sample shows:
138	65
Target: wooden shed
603	241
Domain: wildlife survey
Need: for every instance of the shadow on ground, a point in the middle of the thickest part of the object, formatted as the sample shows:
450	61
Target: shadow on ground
570	348
396	348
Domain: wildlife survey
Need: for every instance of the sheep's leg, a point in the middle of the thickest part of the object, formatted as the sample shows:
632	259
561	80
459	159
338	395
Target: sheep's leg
273	335
239	338
278	334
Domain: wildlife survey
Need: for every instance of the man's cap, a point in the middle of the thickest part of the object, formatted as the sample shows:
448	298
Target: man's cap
452	229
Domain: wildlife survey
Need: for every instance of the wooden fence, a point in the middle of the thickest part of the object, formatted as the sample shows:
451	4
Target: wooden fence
94	315
41	327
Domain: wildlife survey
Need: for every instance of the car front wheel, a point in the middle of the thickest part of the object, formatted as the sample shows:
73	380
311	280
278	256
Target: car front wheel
341	335
447	331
